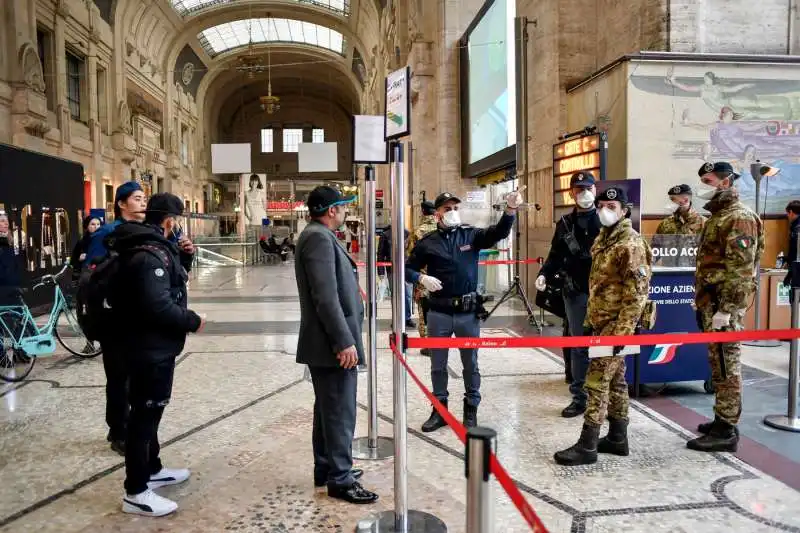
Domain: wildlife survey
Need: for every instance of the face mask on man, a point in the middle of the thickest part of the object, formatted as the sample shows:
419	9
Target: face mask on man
585	199
608	217
451	219
671	207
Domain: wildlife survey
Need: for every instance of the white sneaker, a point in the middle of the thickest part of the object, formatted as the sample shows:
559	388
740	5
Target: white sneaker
148	503
168	476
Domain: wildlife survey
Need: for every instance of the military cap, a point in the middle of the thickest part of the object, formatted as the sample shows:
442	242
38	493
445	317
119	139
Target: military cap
680	189
582	179
427	207
721	168
444	198
612	193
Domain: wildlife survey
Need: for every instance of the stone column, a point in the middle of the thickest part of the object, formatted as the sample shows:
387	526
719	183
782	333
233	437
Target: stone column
60	73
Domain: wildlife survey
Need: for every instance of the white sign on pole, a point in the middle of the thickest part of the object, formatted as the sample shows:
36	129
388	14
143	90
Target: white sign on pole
317	157
230	158
783	294
398	104
369	144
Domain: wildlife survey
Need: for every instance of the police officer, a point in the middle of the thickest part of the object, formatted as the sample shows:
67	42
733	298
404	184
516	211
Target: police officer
792	278
426	226
618	287
570	256
149	295
731	246
450	257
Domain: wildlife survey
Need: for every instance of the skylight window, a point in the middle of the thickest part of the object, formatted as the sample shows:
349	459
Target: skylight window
238	33
192	7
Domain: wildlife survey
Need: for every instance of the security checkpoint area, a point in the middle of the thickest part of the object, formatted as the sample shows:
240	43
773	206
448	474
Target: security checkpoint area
420	257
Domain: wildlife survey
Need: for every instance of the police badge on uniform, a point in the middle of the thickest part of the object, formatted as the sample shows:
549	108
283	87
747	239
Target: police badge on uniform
708	167
676	190
612	194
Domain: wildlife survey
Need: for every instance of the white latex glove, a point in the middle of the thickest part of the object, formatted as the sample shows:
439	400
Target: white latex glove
540	283
430	283
600	351
720	320
514	199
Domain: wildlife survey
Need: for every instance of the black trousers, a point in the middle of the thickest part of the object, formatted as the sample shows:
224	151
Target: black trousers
150	391
334	424
117	407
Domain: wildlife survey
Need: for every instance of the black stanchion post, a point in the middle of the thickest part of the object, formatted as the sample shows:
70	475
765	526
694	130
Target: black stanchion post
481	443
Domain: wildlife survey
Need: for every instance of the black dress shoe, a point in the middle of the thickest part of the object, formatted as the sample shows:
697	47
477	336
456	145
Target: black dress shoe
355	493
573	409
118	446
356	473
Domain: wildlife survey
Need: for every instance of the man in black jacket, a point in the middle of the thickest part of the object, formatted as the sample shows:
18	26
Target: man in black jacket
330	342
149	292
384	255
570	254
793	214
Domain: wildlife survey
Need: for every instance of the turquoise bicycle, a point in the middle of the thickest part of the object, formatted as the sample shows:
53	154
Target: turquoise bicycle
23	340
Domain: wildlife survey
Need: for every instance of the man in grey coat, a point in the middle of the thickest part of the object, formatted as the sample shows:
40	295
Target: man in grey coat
331	315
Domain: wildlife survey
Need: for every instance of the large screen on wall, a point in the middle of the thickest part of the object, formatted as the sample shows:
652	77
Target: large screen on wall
488	89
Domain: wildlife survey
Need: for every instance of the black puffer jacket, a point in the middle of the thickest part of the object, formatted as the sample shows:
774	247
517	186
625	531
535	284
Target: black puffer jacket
149	296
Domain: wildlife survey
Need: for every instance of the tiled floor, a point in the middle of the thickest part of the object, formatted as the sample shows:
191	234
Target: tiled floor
240	419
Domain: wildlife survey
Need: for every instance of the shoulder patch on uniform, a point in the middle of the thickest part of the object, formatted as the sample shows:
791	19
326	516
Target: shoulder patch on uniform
642	271
159	272
744	242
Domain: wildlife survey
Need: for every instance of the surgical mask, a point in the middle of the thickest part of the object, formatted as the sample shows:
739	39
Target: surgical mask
585	199
671	207
706	192
608	217
451	219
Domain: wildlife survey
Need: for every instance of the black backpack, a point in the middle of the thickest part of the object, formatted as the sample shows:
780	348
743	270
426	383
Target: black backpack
92	305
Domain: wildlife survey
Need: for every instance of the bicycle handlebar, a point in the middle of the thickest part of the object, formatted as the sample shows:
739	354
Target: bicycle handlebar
50	278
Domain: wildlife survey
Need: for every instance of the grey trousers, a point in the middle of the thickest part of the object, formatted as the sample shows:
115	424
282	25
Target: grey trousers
335	391
460	325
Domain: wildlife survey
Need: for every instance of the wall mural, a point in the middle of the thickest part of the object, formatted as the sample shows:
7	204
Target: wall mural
735	113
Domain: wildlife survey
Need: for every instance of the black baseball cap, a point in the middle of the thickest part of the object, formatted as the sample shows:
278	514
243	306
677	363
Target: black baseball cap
613	193
444	198
680	189
721	168
161	206
427	207
582	179
324	197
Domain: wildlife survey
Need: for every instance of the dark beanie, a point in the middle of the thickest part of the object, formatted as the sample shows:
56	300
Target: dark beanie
161	206
123	192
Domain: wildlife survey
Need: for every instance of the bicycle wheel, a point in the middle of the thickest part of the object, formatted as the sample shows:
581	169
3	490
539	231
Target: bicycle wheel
15	364
71	336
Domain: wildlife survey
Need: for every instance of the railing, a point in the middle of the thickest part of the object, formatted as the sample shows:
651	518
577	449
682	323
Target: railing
227	254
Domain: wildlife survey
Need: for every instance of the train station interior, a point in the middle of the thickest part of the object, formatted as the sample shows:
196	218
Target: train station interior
241	108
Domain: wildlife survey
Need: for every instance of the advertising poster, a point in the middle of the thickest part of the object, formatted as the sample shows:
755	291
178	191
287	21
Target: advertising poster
398	104
253	192
633	189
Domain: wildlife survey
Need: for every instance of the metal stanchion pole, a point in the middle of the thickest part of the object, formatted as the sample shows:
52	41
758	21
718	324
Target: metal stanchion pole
790	421
401	520
373	446
481	442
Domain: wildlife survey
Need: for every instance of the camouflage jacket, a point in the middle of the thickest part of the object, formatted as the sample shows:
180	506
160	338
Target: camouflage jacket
689	223
619	280
427	226
731	244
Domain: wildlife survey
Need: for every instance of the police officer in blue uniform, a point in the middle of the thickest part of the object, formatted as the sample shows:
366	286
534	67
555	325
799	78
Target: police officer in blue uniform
450	257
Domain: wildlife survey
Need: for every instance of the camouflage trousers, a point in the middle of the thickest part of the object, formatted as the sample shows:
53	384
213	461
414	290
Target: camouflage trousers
726	367
606	389
422	313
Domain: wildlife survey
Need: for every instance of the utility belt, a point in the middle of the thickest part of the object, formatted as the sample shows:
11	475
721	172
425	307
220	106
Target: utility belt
468	303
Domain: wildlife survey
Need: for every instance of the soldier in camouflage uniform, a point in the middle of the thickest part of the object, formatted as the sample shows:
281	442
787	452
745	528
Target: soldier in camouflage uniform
684	220
425	227
618	288
731	245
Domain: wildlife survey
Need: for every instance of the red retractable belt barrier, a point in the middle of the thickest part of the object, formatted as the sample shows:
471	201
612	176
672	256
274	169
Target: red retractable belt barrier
497	469
647	339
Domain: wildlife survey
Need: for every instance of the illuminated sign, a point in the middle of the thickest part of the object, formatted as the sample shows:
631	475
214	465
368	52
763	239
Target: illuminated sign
283	206
584	153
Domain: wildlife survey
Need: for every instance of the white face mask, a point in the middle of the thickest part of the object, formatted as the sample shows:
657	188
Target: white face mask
706	192
608	217
671	207
451	219
585	199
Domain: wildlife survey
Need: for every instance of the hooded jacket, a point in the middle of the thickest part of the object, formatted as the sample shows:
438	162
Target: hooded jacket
149	294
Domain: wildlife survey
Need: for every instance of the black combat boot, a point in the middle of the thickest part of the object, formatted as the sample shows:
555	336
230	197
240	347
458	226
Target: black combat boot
616	441
583	452
705	427
722	437
573	409
435	421
470	415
